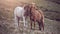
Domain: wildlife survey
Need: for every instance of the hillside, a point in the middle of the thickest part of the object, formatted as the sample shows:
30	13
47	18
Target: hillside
51	11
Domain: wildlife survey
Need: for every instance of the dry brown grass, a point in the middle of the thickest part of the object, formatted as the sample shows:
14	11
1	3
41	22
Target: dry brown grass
7	25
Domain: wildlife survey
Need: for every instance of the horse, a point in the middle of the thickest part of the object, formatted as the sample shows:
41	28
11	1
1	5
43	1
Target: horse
18	14
35	15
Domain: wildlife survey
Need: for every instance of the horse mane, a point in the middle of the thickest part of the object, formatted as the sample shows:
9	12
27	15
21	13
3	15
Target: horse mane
27	9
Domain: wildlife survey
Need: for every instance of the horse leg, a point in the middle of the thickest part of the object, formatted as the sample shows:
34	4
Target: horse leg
34	23
18	20
39	25
24	20
31	24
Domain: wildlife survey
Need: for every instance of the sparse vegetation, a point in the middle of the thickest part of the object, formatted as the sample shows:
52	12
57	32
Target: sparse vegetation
51	11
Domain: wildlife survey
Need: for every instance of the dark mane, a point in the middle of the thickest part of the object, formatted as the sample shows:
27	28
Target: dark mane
28	9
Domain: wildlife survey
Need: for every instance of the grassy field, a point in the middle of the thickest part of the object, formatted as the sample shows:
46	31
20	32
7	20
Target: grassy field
51	11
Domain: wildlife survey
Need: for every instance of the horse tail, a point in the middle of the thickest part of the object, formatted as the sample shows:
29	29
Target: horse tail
16	20
42	18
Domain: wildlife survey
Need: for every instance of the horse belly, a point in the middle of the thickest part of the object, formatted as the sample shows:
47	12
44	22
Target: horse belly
20	14
37	16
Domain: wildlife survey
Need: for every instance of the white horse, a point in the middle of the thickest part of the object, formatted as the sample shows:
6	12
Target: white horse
19	13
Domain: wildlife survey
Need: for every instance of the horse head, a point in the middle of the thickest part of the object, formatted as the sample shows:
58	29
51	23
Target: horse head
27	9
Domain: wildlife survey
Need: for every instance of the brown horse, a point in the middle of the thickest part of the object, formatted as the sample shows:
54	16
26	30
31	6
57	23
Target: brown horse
35	15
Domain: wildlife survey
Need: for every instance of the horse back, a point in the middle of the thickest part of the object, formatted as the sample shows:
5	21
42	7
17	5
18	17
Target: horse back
36	15
19	11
